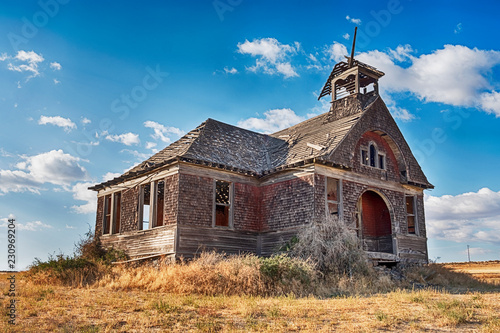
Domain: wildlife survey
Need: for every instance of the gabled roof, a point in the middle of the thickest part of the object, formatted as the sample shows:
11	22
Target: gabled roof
228	147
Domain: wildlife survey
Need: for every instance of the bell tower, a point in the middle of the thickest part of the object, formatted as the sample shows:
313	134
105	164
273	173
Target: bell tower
351	77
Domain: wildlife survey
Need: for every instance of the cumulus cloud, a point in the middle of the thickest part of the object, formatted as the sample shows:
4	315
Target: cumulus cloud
86	121
55	167
26	62
346	36
336	52
273	121
458	28
467	217
25	226
65	123
353	20
455	75
82	193
110	175
162	132
55	66
127	139
231	70
401	113
272	56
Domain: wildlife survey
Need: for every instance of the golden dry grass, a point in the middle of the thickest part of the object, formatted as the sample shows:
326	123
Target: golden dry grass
488	271
43	308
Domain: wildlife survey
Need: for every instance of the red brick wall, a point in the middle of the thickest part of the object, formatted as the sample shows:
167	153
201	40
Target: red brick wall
195	200
247	207
288	203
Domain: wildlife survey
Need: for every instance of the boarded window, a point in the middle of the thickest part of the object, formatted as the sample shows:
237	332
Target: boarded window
117	202
222	203
410	214
332	195
107	215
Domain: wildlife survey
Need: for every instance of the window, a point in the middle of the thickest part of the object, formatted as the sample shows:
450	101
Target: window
364	156
372	157
111	218
117	202
152	204
106	226
373	154
223	194
410	214
333	196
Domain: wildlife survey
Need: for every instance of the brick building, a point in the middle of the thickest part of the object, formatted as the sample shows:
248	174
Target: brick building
235	190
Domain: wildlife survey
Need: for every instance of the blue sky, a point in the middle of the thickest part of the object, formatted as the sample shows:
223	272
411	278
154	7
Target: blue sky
89	89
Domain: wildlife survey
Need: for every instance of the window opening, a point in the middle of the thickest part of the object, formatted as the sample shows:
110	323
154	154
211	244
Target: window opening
107	215
160	202
116	212
364	156
410	214
381	161
373	154
332	195
146	200
222	203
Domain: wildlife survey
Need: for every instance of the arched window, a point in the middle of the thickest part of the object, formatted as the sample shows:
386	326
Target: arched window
373	155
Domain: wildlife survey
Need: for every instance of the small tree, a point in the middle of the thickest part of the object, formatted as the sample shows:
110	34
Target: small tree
332	247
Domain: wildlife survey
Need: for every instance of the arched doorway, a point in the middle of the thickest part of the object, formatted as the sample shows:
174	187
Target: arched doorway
374	223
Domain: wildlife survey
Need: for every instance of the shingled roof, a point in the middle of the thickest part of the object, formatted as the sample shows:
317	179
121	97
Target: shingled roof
228	147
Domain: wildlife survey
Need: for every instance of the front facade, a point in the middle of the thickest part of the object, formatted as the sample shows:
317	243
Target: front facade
226	188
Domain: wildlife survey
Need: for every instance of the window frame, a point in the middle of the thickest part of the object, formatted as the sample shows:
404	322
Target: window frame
111	211
230	224
153	204
411	215
377	154
339	201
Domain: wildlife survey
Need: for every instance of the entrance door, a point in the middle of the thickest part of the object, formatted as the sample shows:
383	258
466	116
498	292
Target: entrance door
374	223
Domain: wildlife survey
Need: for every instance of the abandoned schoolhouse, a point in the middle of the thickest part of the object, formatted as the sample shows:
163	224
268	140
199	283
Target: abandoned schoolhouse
237	191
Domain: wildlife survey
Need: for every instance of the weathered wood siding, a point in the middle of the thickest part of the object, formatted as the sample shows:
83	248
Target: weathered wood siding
160	240
412	248
270	242
194	239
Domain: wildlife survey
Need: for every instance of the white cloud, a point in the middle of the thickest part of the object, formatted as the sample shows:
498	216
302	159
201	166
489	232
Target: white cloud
56	81
353	20
53	167
33	226
65	123
230	70
455	75
110	175
272	56
458	28
150	145
467	217
127	139
4	57
82	193
86	121
401	113
336	52
55	66
162	132
346	36
26	62
274	121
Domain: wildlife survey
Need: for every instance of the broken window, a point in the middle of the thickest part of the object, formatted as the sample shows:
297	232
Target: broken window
333	194
106	226
222	203
117	201
410	214
381	161
152	203
364	156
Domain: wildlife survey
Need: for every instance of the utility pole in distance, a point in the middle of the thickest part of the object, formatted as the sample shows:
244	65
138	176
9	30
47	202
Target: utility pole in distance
468	252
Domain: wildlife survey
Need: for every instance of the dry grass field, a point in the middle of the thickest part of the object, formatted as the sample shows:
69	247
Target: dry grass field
107	308
488	271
